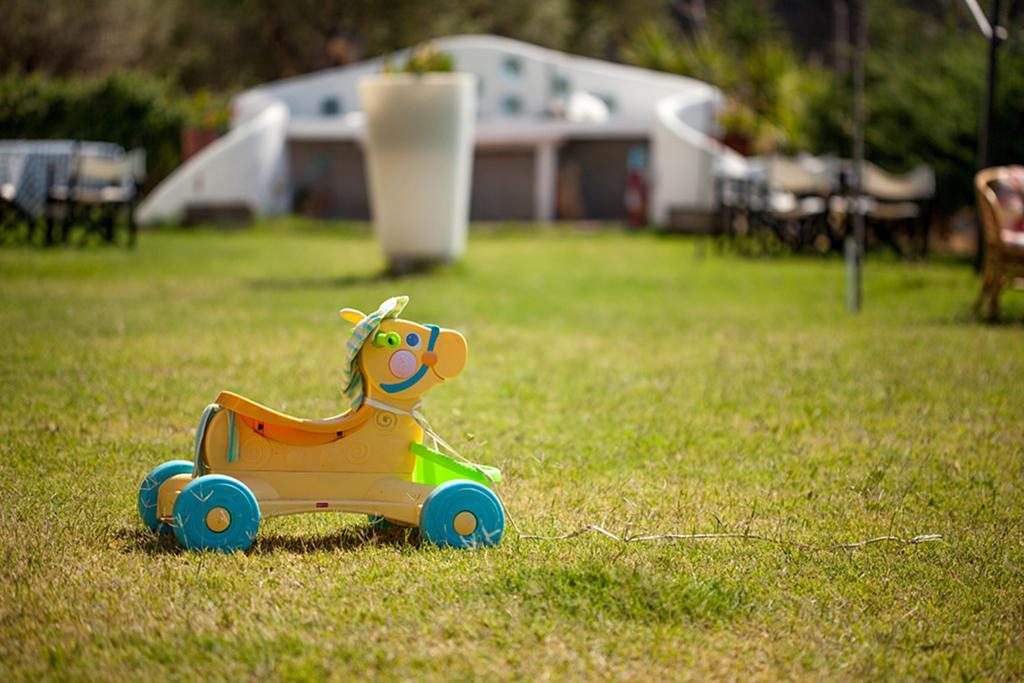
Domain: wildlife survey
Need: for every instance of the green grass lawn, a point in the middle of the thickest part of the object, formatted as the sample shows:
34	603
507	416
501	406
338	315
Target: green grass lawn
614	378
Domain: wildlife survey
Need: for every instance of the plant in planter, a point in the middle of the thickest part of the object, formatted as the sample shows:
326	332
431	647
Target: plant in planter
419	150
423	59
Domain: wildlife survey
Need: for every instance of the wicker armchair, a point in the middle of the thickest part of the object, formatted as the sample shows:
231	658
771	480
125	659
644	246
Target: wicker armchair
1004	260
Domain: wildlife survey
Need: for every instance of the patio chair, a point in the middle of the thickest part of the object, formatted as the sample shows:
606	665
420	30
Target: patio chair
793	200
899	210
1000	195
98	189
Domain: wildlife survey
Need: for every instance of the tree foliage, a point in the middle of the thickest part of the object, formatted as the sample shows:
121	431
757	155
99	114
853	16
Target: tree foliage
925	75
925	67
744	51
925	80
228	44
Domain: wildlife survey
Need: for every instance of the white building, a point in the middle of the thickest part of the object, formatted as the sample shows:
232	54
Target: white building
553	135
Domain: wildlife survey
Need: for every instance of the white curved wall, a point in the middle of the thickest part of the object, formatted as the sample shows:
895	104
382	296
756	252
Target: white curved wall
685	156
246	166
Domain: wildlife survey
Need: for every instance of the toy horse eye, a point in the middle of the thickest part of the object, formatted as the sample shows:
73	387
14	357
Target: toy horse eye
413	340
390	340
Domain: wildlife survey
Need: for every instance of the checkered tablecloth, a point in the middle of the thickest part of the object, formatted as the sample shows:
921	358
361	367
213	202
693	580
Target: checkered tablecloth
31	166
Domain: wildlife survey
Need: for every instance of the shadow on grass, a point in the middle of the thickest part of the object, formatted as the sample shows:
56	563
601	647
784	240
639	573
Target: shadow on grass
134	540
345	540
340	282
394	273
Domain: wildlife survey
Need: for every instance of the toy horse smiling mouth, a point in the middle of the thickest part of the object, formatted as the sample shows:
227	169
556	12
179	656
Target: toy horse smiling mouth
252	462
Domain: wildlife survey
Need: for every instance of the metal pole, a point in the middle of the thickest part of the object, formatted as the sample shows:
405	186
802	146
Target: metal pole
854	246
995	36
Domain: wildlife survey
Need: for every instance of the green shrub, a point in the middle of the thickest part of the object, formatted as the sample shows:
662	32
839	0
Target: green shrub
128	108
423	59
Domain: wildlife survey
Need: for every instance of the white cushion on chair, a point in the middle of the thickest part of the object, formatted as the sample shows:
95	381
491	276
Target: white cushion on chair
1013	238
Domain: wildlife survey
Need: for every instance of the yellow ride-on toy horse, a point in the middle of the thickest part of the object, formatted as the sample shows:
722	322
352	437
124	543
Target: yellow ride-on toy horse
252	462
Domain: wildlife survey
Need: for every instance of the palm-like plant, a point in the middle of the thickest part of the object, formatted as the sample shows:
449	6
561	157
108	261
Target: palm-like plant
769	91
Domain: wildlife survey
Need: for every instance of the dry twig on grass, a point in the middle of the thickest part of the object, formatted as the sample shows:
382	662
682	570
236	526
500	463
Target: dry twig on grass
630	538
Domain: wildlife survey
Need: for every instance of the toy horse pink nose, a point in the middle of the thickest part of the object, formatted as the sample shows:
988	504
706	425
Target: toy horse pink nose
450	357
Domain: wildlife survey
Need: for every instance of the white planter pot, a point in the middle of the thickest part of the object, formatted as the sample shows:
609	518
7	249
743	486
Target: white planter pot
419	152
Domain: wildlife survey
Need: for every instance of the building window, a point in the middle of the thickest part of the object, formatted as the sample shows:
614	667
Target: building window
330	106
512	67
511	105
609	101
560	85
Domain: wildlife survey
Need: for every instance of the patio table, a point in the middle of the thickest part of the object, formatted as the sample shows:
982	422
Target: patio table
31	167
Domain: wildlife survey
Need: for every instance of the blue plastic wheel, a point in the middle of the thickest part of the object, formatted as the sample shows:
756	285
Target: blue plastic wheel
462	514
150	487
216	512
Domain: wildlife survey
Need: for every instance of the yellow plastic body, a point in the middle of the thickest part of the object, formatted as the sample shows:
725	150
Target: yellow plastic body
357	462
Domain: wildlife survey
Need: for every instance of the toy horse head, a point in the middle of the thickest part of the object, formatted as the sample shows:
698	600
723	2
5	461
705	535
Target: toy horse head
405	360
